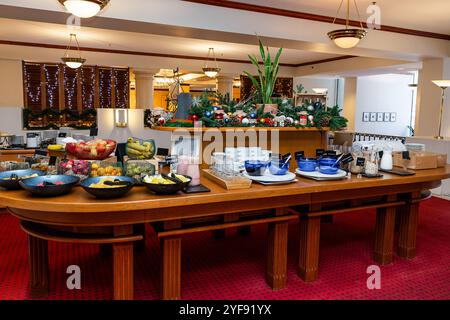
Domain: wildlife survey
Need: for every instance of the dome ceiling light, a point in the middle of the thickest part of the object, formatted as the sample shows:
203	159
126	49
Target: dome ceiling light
84	8
72	61
349	37
211	71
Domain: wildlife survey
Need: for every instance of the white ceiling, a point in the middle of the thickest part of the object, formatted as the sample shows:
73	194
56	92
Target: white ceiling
38	32
424	15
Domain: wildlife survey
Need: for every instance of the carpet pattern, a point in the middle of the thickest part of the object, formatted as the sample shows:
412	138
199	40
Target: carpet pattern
233	267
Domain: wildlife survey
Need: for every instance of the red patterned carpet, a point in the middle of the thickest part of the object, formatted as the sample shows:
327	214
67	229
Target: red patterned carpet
233	268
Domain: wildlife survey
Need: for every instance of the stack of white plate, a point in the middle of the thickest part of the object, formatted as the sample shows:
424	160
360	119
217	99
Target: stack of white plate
270	179
316	175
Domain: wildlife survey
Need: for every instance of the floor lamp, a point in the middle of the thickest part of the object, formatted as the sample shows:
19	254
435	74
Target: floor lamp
443	84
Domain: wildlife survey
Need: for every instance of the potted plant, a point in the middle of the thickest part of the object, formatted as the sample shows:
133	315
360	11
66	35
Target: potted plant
267	76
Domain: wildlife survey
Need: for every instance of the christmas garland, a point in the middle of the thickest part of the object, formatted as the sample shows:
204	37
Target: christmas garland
215	110
87	115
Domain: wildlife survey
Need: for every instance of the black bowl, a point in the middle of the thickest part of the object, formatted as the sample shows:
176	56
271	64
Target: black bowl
185	184
10	184
32	185
108	193
163	189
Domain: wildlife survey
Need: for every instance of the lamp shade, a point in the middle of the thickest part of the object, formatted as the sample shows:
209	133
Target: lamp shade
347	38
211	72
320	90
444	84
73	63
84	8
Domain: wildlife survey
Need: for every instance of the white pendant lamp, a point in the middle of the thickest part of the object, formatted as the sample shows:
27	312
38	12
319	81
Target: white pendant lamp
72	61
84	8
349	37
211	71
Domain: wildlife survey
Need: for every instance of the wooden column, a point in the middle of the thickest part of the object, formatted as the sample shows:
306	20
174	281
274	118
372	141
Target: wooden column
408	222
309	234
39	271
171	264
171	268
384	233
277	244
123	265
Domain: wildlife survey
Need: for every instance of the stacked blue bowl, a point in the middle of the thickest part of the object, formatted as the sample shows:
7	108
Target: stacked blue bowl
277	168
328	166
307	164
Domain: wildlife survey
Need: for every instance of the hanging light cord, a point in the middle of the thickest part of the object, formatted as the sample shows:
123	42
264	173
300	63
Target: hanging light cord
73	35
347	21
214	56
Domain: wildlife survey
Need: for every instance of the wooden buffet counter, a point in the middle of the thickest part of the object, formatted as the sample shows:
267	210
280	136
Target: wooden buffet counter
77	217
13	155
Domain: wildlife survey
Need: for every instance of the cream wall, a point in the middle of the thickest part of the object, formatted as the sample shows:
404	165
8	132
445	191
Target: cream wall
11	94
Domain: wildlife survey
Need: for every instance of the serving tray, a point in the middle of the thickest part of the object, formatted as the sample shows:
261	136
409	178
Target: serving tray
316	175
270	178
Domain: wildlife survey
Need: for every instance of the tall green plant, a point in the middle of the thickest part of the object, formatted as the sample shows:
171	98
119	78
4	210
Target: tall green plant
267	73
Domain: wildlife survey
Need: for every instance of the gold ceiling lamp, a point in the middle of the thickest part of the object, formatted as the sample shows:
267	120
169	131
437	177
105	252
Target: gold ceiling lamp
211	71
72	61
349	37
84	8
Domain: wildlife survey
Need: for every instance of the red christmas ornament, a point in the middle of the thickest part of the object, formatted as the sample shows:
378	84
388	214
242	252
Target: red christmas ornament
194	117
162	121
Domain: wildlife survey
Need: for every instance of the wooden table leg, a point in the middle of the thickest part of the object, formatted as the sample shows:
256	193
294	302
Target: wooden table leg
384	235
123	265
409	219
39	271
277	244
171	268
309	234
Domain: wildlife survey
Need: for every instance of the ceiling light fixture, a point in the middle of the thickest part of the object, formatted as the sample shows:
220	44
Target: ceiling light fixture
72	61
211	71
84	8
349	37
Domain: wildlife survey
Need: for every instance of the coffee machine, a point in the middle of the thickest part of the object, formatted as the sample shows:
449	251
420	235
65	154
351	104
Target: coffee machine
33	140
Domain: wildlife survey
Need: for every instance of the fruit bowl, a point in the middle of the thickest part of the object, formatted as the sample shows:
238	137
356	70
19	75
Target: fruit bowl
10	179
97	149
50	186
99	188
156	185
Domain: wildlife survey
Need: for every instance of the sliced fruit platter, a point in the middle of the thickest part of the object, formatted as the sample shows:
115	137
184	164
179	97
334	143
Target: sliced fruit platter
108	187
166	183
10	179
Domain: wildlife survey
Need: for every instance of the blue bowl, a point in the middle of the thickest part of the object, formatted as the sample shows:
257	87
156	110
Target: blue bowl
10	179
65	185
307	164
256	167
275	169
328	166
108	193
328	170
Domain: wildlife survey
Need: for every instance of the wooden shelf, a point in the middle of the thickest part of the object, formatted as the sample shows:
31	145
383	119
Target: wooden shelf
226	129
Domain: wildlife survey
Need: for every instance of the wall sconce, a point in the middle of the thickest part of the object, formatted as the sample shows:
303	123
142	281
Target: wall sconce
320	90
121	118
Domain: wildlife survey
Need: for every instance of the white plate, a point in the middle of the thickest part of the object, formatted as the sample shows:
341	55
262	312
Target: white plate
316	175
289	176
276	183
